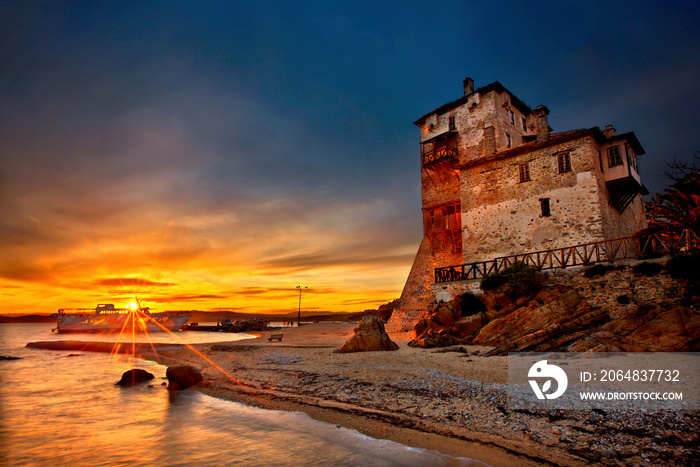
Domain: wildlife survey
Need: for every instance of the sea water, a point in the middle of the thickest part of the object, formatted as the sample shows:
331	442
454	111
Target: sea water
63	408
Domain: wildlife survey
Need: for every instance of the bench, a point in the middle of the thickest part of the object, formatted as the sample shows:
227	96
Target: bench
275	336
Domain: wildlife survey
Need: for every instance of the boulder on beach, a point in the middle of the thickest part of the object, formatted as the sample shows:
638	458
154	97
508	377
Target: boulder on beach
369	336
182	376
134	376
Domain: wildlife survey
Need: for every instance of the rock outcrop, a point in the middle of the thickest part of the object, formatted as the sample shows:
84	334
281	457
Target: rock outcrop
134	376
369	336
560	317
444	324
182	377
674	330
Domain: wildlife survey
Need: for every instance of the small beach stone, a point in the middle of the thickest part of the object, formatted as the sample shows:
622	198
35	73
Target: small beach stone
134	376
182	377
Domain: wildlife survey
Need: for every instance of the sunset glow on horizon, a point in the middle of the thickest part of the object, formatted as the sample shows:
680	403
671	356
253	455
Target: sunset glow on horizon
205	262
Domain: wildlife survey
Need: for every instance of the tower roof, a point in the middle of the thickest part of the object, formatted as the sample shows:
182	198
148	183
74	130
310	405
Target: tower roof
495	86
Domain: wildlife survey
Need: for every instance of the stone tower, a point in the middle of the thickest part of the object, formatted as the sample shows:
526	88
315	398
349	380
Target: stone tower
496	182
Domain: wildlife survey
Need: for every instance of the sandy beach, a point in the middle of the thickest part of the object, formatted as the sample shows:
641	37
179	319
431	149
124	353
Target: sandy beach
451	400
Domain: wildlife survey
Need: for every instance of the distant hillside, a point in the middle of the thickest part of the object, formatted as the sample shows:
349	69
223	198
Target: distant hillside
306	316
214	316
27	319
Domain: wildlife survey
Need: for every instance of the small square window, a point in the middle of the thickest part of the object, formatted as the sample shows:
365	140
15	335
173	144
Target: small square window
614	157
512	117
508	140
524	173
564	162
544	206
452	124
524	124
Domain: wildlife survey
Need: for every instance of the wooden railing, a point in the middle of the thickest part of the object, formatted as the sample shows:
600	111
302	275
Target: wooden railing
665	243
669	242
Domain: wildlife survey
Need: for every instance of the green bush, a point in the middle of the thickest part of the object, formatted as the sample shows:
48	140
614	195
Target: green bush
685	266
647	269
515	280
597	270
493	281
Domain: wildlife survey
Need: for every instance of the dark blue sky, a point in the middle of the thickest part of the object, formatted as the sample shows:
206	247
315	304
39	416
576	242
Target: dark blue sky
241	122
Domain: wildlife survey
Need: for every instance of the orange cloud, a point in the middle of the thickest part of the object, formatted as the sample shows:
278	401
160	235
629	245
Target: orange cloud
224	258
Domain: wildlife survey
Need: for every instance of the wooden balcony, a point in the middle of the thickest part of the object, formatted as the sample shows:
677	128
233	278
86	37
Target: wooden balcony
623	191
442	224
440	148
440	153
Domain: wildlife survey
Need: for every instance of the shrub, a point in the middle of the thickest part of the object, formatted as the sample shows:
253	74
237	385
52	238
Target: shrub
597	270
685	266
493	281
515	280
647	269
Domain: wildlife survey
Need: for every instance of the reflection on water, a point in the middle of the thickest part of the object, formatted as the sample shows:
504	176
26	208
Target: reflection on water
57	409
42	332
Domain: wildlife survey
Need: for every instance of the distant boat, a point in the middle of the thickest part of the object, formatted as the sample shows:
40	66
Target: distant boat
107	318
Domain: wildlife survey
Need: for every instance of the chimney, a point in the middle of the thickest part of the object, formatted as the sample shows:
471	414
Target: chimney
609	131
468	86
489	141
541	113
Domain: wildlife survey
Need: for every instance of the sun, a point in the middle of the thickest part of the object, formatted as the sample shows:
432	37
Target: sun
132	306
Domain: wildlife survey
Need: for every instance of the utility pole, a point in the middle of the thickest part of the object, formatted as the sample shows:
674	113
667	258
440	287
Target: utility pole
299	315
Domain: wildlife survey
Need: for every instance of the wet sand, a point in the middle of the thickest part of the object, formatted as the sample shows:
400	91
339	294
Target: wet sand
448	401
